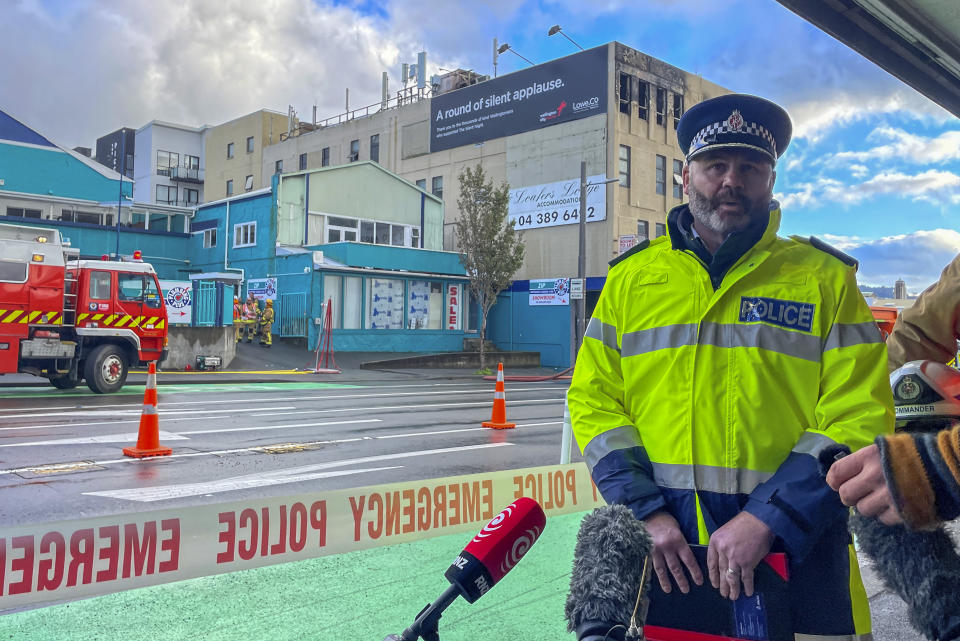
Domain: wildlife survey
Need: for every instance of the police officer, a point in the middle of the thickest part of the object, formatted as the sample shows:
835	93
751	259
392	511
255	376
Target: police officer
720	360
266	324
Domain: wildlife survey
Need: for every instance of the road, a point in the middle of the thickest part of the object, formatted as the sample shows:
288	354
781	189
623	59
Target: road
60	452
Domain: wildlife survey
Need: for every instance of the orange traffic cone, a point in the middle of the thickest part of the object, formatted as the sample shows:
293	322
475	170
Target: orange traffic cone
148	440
498	420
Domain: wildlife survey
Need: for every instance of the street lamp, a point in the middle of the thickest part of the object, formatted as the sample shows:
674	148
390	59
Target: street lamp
505	47
582	254
556	29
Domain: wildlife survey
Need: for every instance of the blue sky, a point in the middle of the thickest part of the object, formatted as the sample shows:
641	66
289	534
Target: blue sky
874	167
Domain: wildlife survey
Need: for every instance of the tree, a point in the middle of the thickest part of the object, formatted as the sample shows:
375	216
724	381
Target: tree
491	250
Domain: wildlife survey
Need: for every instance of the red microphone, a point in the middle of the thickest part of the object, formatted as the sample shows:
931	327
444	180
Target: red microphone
496	548
487	558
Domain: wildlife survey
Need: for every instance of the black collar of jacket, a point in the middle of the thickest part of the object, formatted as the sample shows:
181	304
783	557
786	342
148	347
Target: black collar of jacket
679	223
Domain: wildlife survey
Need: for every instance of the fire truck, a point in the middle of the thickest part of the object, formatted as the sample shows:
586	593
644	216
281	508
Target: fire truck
68	319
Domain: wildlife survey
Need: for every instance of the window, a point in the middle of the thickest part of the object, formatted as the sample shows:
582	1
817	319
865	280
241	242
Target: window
661	104
209	238
375	147
278	167
129	169
366	231
677	109
422	184
100	285
166	195
325	157
661	229
191	196
397	235
643	231
23	213
626	84
384	303
248	183
677	178
354	151
166	160
130	287
229	187
229	150
643	99
382	234
661	175
151	297
415	237
303	161
424	304
624	165
437	187
191	162
245	234
338	229
13	271
249	144
331	293
352	298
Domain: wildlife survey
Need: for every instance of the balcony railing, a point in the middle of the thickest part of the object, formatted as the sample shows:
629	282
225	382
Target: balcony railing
182	174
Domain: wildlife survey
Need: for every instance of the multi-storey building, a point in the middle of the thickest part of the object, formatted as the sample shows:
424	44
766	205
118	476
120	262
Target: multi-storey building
234	153
168	164
612	107
113	146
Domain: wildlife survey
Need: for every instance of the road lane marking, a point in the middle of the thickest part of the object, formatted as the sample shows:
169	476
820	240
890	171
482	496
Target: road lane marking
118	423
483	390
276	477
132	410
403	407
278	427
459	430
106	438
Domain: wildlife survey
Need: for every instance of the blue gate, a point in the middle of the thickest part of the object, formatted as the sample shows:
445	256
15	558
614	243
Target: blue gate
205	304
293	314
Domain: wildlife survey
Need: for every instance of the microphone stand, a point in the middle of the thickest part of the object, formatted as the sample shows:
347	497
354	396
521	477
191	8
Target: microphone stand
425	625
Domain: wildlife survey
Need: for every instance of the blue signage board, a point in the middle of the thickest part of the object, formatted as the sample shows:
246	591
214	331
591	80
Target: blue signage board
557	91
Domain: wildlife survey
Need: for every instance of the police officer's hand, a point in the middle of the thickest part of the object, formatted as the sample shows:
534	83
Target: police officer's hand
735	549
671	552
858	478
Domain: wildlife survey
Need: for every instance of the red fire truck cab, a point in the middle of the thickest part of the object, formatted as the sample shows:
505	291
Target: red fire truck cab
69	320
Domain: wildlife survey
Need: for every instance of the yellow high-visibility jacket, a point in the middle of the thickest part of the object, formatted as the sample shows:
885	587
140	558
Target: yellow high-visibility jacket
706	402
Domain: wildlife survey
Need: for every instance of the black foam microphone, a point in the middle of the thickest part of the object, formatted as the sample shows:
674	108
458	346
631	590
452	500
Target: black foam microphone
493	552
608	575
830	455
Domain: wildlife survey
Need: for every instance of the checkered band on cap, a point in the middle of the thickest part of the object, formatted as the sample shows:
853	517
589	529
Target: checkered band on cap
725	127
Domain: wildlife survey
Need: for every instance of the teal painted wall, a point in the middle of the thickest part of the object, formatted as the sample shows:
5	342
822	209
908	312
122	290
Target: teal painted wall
53	172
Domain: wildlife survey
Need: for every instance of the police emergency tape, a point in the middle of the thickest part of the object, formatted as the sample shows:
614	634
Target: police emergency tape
74	559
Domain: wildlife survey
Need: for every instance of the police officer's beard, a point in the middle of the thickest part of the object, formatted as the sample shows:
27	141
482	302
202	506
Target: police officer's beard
706	211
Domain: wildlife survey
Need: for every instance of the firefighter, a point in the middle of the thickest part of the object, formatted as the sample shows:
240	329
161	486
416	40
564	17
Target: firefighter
237	318
719	362
266	324
251	317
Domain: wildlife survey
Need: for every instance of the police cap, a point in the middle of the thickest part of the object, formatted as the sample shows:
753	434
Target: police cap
735	120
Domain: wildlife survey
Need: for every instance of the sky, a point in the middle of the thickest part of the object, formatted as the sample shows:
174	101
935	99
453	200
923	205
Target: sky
873	168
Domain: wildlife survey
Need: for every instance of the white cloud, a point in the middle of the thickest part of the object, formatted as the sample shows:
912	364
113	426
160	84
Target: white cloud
858	171
934	186
903	145
917	258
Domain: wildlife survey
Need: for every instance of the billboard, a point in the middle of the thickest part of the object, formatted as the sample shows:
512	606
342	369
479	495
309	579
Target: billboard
556	203
557	91
178	298
550	291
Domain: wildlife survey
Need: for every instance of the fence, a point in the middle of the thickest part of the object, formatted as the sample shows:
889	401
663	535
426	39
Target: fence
293	314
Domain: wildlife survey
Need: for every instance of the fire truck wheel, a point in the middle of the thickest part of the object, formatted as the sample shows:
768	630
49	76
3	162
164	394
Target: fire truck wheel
64	382
105	369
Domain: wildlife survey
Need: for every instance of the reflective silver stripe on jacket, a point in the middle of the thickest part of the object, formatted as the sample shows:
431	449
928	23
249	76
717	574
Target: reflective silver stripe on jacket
619	438
812	443
656	338
708	478
847	334
603	332
766	337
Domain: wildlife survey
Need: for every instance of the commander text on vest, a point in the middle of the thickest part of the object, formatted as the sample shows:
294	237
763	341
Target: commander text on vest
720	360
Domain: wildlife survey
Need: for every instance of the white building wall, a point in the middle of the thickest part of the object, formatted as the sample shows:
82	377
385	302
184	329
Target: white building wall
155	137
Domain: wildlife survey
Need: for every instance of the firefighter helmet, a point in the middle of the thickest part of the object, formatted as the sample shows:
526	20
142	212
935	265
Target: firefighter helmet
926	395
269	303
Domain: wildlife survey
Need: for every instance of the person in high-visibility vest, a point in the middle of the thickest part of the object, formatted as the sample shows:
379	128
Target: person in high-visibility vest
251	317
266	324
720	361
237	319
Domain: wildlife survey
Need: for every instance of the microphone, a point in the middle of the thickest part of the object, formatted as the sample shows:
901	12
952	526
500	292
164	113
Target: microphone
608	575
493	552
830	455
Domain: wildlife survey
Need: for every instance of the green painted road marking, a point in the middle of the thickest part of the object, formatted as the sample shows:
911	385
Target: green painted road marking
191	388
362	595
